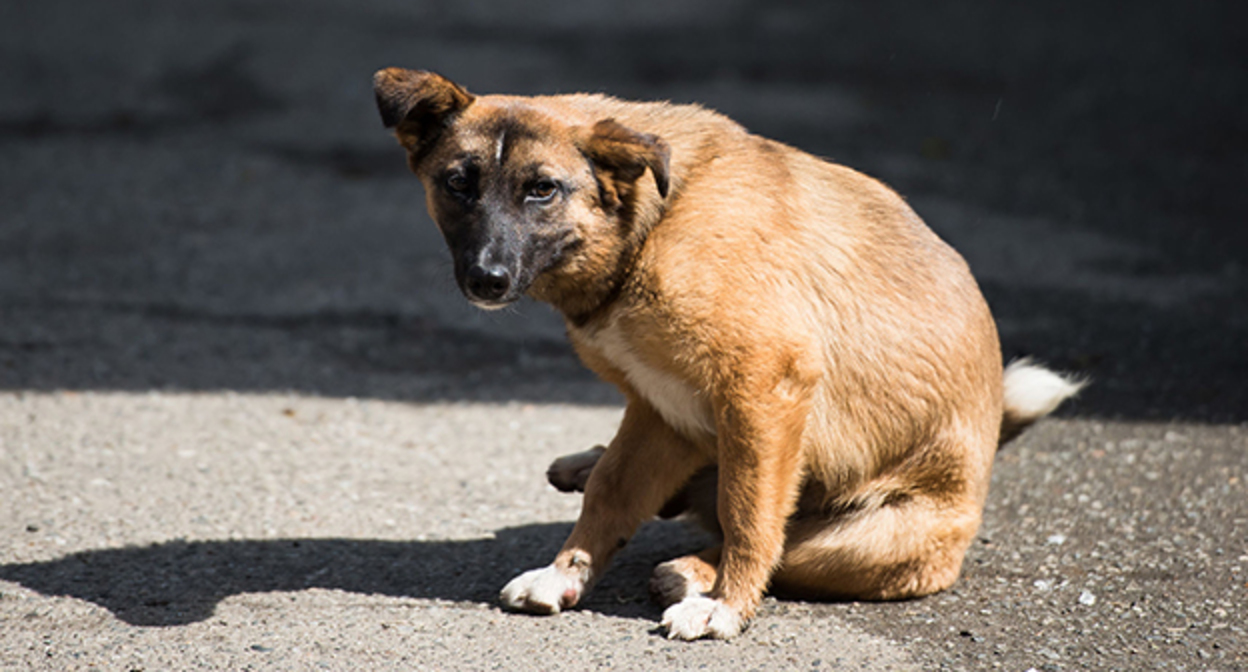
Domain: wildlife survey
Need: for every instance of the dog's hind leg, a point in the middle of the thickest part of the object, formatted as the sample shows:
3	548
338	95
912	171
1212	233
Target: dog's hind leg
569	473
895	551
683	577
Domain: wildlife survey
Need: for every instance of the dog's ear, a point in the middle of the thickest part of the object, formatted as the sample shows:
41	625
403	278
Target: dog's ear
417	104
624	155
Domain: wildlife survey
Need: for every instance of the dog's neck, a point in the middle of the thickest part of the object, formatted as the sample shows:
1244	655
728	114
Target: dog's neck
593	305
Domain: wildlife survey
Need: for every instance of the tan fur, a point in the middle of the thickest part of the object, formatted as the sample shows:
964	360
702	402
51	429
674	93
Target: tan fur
787	319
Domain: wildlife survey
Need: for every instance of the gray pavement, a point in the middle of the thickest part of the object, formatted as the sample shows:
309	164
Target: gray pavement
247	423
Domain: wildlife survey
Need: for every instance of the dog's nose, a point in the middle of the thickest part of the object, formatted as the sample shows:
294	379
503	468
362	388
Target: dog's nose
488	283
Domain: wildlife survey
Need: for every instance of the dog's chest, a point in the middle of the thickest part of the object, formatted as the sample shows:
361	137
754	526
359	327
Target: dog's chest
679	403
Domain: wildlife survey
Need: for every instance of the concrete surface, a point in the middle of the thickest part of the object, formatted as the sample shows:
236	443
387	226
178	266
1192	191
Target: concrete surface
247	423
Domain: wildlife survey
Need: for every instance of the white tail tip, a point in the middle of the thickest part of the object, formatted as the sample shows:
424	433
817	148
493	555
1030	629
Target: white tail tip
1032	391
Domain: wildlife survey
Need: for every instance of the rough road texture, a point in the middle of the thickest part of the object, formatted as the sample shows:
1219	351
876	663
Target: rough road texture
247	423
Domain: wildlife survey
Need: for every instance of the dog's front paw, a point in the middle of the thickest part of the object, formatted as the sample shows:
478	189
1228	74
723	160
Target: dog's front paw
542	591
698	617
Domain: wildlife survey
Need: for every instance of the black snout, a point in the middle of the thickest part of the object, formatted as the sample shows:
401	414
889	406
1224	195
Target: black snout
487	283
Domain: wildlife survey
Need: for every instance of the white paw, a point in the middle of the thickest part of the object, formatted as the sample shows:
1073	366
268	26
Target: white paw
698	617
542	591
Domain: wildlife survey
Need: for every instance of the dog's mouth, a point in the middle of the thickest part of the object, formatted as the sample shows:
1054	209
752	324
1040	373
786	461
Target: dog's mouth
484	304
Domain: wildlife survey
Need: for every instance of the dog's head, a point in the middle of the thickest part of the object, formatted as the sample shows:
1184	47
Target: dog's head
532	196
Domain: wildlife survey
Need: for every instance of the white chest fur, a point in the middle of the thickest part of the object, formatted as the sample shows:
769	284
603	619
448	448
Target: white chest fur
682	407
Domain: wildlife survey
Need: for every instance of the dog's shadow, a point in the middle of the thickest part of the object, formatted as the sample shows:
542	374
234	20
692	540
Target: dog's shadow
179	582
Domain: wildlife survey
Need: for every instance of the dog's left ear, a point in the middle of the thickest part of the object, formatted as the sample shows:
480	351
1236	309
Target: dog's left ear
625	154
417	104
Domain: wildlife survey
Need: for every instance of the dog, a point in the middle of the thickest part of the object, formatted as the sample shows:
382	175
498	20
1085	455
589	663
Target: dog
806	364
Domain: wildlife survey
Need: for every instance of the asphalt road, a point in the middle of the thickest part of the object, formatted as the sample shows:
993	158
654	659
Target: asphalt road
247	423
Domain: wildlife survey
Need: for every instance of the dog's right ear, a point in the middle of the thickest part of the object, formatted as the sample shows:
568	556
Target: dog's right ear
417	104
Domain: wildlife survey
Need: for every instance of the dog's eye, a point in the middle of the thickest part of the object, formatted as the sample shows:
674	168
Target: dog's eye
542	191
457	183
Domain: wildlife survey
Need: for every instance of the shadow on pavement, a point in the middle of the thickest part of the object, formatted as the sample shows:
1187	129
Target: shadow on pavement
1183	362
179	583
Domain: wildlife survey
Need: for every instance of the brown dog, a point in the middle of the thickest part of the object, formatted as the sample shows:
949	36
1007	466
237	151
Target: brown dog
787	321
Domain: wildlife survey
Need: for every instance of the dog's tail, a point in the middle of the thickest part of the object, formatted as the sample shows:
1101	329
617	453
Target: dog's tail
1032	392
